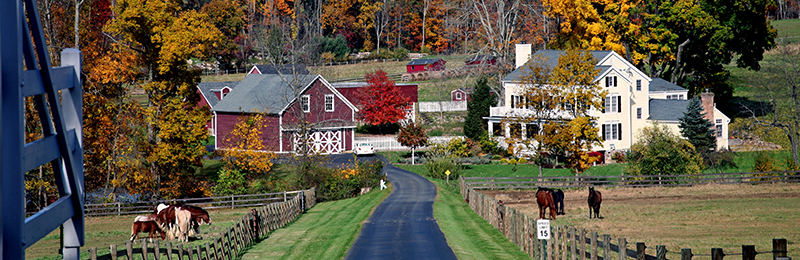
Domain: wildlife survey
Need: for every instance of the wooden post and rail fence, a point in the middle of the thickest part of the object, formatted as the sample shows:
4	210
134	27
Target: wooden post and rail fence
250	228
569	243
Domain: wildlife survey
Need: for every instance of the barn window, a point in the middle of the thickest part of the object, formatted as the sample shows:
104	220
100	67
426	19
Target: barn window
458	96
328	103
305	101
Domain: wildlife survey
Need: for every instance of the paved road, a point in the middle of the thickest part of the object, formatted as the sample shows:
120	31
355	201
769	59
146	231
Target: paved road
402	226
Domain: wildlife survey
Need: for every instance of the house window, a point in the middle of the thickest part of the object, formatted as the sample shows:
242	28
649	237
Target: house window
516	131
613	104
328	103
612	131
611	81
676	96
304	103
517	102
638	113
531	130
458	96
719	127
638	85
497	129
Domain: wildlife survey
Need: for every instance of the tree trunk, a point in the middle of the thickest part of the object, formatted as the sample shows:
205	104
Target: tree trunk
412	156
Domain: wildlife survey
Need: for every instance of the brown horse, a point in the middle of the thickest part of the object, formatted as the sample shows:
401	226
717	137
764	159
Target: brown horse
146	224
183	224
595	198
166	216
544	197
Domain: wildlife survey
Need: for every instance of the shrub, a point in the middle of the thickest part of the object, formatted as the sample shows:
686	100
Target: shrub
230	182
457	147
347	183
437	166
522	160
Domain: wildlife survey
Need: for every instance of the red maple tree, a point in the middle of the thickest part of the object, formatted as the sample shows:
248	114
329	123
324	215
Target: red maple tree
381	101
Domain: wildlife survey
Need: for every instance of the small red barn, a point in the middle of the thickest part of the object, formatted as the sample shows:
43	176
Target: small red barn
460	94
288	102
420	65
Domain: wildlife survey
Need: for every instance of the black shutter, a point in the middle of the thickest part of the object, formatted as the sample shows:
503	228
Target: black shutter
619	127
615	81
619	104
604	132
603	109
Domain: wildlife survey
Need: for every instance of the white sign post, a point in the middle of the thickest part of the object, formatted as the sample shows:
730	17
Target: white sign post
543	229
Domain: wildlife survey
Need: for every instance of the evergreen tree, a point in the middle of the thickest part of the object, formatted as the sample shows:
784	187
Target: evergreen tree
477	108
698	130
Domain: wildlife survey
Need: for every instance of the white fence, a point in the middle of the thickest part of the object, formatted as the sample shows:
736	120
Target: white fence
390	143
444	106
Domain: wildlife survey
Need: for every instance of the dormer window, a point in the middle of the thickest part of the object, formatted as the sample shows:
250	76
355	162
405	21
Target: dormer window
638	85
611	81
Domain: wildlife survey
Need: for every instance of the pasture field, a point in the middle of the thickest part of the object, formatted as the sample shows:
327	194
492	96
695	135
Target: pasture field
700	217
104	231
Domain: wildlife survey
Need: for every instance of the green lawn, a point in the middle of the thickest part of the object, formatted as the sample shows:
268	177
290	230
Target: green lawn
326	231
787	29
469	235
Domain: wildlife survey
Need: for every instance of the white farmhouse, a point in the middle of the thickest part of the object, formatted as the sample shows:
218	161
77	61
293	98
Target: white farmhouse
634	101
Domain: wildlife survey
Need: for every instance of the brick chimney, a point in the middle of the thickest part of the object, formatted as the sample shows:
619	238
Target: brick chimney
708	105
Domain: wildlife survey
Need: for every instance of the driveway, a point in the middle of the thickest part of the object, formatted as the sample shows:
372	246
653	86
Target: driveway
402	226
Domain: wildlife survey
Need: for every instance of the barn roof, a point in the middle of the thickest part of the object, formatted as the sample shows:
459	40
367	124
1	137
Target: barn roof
285	69
423	61
660	85
207	89
269	93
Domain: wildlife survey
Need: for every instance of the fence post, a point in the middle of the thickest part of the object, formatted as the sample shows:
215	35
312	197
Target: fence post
717	254
119	208
607	247
156	250
180	252
640	247
661	252
232	202
623	248
564	239
573	247
284	196
113	249
169	251
582	244
555	245
593	243
686	254
129	249
144	248
93	253
748	252
778	248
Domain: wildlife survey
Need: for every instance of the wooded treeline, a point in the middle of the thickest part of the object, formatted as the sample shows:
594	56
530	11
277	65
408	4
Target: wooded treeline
156	146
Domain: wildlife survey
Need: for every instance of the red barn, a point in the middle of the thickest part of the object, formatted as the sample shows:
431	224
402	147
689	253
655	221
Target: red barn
420	65
349	90
288	102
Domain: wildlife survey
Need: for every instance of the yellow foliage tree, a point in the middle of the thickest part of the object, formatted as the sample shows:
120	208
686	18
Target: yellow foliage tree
248	152
597	25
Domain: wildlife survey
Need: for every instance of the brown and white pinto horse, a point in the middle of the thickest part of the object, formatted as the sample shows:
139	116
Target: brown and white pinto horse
167	217
146	224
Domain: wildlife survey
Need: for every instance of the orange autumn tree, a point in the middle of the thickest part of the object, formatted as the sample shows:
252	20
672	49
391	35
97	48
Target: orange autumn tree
248	153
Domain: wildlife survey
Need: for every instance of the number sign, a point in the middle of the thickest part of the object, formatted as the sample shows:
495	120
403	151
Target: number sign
543	229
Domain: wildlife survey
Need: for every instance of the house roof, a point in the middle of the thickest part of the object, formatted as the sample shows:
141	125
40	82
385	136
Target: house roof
551	61
207	89
269	93
423	61
667	109
660	85
285	69
465	90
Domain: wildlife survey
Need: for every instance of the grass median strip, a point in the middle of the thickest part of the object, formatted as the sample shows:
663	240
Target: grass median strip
470	236
326	231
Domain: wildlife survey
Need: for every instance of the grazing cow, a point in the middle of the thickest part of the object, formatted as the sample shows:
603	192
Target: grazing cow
595	198
146	224
544	197
558	198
